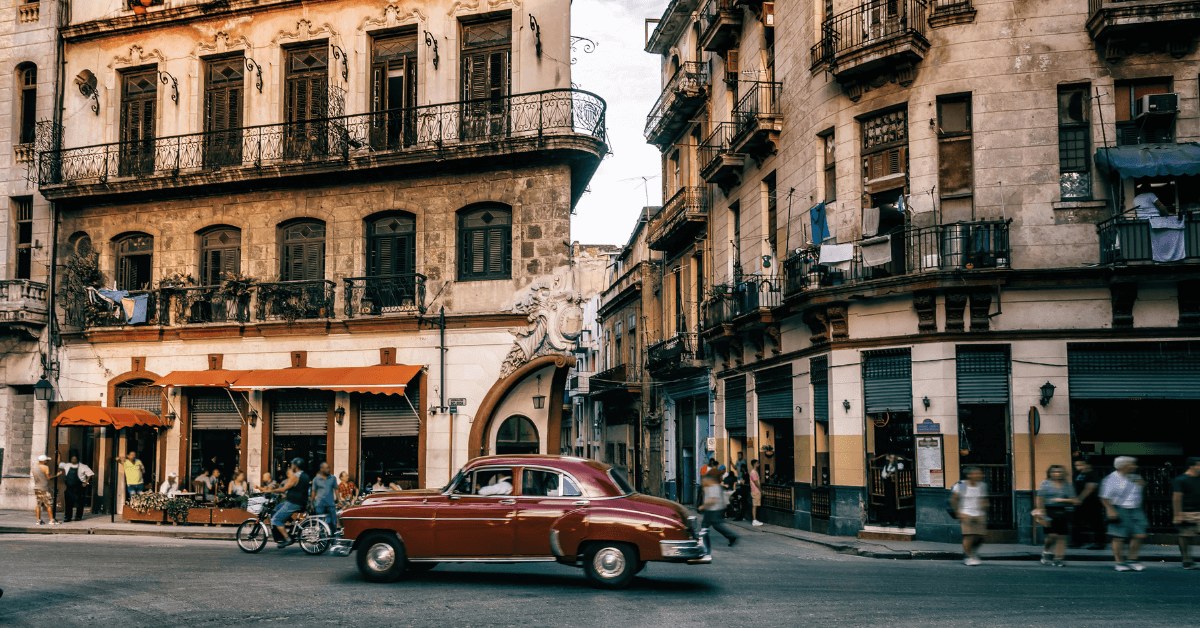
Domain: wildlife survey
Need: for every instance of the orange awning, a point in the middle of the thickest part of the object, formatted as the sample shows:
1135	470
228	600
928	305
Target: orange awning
95	416
219	378
384	380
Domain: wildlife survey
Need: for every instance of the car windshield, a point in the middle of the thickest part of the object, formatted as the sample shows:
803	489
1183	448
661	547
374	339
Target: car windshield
618	478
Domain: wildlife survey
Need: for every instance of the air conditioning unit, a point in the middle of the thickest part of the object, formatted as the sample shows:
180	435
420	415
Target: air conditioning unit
1158	103
768	14
731	66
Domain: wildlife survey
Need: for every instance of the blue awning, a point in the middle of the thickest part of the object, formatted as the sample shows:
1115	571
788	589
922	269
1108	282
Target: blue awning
1150	160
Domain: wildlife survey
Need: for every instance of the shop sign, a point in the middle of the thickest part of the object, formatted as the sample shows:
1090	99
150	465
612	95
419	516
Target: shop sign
455	402
929	427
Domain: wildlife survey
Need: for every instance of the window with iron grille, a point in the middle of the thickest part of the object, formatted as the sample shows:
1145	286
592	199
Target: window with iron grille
885	155
1074	142
485	243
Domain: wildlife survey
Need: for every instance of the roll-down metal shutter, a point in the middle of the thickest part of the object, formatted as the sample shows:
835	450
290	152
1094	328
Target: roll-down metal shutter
819	374
1134	370
735	402
301	415
982	374
142	401
774	390
389	415
213	411
887	381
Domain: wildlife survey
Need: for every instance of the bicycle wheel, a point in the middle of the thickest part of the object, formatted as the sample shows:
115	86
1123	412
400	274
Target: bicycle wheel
252	536
315	536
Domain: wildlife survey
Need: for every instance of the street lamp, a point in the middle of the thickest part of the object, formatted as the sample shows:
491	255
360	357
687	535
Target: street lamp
539	400
43	391
340	414
1047	393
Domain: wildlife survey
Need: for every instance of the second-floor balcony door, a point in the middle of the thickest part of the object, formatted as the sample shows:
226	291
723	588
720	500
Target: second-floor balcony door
223	112
307	107
391	264
139	111
486	79
394	92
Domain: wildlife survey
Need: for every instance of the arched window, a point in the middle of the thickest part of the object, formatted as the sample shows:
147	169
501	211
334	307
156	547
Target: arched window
27	73
135	261
80	243
391	245
485	243
220	253
303	257
517	435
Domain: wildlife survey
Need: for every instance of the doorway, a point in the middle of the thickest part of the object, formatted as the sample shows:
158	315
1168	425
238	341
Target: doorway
891	480
143	441
215	449
984	442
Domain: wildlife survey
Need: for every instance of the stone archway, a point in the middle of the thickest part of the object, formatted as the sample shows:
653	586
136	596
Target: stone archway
477	443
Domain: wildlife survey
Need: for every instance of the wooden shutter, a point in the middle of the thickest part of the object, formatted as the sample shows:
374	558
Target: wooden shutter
475	68
496	251
314	261
478	250
731	65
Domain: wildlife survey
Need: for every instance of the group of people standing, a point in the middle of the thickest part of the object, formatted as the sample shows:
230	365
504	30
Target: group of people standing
1090	506
717	483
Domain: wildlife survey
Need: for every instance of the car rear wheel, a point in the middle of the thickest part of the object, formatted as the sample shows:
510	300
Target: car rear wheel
611	565
381	557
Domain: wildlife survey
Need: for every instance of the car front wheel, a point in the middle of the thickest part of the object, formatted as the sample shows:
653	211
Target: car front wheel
611	565
381	557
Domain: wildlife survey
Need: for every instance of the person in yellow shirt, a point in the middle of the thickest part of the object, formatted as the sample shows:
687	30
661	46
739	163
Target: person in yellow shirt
134	472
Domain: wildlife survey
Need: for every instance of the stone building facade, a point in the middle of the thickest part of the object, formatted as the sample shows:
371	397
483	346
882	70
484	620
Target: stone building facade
273	191
921	240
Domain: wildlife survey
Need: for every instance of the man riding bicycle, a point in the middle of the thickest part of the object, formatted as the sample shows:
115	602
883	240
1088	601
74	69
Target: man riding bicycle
295	491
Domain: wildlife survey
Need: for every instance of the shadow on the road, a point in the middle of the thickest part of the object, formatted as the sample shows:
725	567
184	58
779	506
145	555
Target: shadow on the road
449	577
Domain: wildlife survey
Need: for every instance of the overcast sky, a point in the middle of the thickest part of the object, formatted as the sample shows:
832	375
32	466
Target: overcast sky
621	72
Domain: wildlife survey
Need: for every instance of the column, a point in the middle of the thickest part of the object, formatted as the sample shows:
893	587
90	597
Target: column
846	454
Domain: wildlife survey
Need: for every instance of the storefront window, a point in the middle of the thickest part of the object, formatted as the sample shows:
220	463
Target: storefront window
390	429
299	423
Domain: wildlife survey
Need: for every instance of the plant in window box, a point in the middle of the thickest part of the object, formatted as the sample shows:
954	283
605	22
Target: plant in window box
286	304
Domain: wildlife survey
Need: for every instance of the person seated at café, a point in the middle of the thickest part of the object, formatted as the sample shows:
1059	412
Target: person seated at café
170	486
378	485
267	482
239	487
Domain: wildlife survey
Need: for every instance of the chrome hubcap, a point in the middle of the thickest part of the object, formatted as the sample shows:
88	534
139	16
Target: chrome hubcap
381	557
609	562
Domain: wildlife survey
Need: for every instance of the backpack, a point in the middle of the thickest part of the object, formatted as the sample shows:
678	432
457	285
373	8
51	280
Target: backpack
950	504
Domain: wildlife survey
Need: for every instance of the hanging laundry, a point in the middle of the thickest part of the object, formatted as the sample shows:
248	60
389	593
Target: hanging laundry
1166	238
833	254
820	224
876	251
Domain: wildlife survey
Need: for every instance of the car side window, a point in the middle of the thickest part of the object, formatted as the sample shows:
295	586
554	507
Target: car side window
465	484
493	482
569	489
536	483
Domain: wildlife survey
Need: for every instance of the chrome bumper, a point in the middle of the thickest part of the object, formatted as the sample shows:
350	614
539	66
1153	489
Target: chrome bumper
692	551
340	547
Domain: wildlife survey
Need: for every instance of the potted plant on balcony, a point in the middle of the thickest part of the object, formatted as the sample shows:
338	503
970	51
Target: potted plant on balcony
236	289
285	303
170	287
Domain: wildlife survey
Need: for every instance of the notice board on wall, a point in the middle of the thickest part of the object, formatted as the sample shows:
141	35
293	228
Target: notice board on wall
930	467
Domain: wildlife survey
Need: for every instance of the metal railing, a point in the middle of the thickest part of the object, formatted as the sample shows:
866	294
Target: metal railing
821	501
952	7
872	22
718	309
717	144
681	347
1124	239
385	294
760	100
713	9
206	304
778	497
82	313
756	292
616	377
294	300
538	114
689	202
579	382
691	76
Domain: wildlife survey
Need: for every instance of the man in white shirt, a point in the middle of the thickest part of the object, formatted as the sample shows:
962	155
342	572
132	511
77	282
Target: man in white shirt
170	486
1146	203
1121	493
503	486
970	501
76	475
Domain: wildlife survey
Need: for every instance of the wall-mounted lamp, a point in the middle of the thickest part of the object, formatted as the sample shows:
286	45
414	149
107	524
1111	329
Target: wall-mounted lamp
925	402
165	76
431	42
537	34
1047	393
339	415
798	409
42	390
539	400
339	53
87	86
251	64
846	404
170	419
253	417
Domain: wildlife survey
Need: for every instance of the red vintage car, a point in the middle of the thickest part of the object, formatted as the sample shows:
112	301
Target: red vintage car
522	509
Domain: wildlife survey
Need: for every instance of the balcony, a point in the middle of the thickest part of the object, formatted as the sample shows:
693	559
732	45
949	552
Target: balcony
1123	25
718	310
679	355
949	12
876	37
198	306
294	300
579	383
718	163
680	219
22	306
28	12
757	292
1126	240
400	139
722	22
384	295
758	120
618	381
957	247
682	96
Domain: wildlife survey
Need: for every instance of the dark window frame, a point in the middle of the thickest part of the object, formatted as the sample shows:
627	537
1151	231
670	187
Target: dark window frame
27	125
1074	141
493	264
129	270
828	139
224	252
948	160
290	244
23	221
398	262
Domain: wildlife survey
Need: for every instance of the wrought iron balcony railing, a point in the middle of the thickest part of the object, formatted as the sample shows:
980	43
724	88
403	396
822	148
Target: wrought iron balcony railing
871	23
951	7
722	23
294	300
1125	239
690	78
716	145
535	115
206	304
385	294
760	99
674	351
756	292
619	377
689	206
80	312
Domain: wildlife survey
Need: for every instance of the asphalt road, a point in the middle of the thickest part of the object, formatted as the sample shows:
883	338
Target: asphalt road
766	580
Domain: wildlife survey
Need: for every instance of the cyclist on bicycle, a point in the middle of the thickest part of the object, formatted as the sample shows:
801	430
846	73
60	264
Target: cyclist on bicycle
295	491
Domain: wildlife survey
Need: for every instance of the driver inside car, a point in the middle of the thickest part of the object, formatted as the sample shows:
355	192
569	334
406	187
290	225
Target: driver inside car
502	485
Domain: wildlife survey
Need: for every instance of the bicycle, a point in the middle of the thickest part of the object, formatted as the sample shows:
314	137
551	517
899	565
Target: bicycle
312	532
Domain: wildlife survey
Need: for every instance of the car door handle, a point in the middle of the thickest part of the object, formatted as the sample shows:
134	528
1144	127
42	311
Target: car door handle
508	502
582	502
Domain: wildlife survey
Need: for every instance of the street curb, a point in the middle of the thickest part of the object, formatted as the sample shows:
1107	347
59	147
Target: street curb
170	534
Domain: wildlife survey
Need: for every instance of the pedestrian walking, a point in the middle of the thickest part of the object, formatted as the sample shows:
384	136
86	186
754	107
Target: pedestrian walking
239	487
77	476
41	490
170	486
1185	498
755	493
970	502
347	490
1056	503
1089	514
713	507
134	472
1121	493
324	495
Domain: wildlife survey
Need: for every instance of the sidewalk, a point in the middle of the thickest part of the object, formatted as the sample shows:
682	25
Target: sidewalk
924	550
23	522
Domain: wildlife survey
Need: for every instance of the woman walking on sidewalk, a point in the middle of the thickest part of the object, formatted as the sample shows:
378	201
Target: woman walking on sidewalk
1056	501
970	501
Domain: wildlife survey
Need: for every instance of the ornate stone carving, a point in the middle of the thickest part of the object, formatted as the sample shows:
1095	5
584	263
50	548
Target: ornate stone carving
222	43
815	319
759	342
839	322
776	339
555	321
956	305
392	16
137	57
737	351
925	303
304	31
1123	296
1189	303
981	304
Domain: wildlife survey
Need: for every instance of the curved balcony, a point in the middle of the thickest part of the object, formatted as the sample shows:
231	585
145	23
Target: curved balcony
875	37
718	162
759	120
681	97
722	21
680	219
679	355
22	305
1124	25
